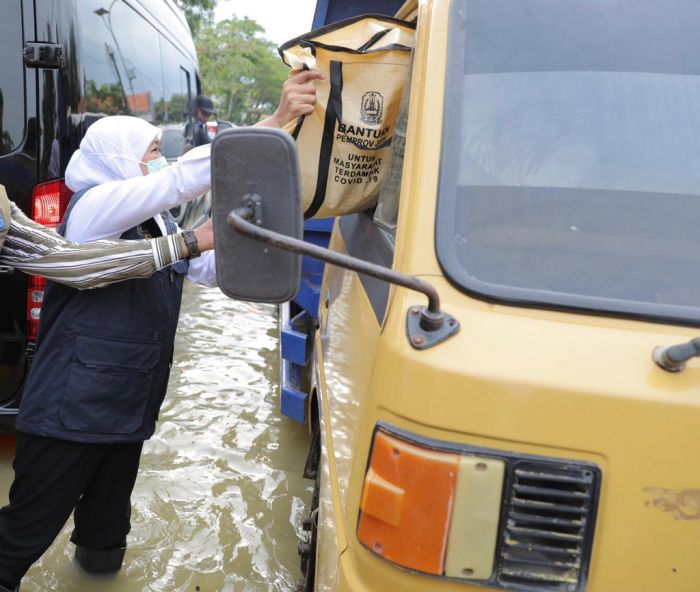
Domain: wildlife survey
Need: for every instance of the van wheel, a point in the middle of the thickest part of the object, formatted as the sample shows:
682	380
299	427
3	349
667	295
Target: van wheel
307	546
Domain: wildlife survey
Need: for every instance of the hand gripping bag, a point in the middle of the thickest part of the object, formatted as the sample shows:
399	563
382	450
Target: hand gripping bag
345	144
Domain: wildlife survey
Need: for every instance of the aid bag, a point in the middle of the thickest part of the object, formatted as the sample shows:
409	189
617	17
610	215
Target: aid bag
345	144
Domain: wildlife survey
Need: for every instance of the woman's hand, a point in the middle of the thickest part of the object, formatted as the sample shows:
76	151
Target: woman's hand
298	98
205	236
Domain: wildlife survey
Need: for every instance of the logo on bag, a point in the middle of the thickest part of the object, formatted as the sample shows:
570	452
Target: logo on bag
372	108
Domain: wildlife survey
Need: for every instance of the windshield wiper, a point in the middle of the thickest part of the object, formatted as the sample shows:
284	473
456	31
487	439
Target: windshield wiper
672	358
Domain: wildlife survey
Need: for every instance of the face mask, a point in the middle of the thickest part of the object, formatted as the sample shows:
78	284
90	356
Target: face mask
157	164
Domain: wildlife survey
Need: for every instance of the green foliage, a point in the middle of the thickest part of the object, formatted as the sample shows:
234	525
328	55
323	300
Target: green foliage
107	98
240	70
199	13
172	111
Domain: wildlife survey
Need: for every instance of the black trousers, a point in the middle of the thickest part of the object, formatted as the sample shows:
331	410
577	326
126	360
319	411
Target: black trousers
54	477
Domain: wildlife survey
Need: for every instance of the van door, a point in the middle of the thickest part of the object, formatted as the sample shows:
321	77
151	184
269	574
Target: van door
18	175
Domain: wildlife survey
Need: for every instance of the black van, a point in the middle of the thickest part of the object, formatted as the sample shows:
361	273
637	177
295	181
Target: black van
65	64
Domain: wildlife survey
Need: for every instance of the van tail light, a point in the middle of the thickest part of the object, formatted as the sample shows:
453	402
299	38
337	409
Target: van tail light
406	503
49	203
35	297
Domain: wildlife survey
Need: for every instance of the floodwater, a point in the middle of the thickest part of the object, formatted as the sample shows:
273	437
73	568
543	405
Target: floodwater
219	500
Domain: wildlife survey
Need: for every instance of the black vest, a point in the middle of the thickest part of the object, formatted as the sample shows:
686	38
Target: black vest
103	356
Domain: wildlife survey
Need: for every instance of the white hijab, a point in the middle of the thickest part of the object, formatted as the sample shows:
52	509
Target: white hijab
110	151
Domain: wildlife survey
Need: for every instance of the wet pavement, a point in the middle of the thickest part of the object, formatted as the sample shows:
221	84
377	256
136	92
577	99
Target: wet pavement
219	499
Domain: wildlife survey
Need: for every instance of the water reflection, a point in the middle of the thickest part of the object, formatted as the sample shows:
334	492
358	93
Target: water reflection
220	497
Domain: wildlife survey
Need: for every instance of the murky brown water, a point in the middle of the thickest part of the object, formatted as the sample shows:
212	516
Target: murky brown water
220	497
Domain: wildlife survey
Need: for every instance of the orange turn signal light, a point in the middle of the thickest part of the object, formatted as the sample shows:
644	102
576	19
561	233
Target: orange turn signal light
406	503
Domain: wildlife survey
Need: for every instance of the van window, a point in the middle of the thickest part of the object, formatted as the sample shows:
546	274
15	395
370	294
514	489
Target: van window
11	78
569	176
387	211
386	214
122	61
138	49
172	142
187	89
176	95
131	68
106	82
173	24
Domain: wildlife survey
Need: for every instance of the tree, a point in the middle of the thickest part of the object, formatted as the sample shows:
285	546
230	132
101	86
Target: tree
241	70
199	13
107	98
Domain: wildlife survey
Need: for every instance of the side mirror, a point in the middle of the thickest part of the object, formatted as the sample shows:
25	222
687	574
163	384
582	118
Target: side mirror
255	174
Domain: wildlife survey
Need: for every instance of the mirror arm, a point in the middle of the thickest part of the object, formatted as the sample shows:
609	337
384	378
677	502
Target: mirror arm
238	219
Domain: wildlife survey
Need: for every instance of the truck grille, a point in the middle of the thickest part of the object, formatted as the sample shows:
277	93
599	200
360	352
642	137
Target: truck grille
547	527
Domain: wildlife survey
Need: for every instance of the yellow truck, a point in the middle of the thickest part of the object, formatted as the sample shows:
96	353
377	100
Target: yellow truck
536	425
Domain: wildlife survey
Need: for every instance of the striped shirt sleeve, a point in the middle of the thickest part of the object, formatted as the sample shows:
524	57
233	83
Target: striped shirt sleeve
36	250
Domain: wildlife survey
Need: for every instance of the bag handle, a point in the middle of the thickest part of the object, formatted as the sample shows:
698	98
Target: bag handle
334	113
373	39
308	39
312	46
300	120
359	51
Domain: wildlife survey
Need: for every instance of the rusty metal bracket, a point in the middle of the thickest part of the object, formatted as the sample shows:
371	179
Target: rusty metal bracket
425	329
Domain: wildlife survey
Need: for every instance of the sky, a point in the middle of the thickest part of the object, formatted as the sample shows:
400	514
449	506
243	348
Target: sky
282	19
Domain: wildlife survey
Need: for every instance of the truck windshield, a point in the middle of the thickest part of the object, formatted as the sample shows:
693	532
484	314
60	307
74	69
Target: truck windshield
571	155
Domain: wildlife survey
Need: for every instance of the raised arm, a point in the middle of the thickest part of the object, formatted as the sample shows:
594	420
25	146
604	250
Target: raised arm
110	209
37	250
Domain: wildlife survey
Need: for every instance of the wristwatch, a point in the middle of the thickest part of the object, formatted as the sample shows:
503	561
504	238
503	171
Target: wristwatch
191	242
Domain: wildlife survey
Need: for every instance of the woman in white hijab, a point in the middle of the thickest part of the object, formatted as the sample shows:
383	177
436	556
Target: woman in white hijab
111	165
103	358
